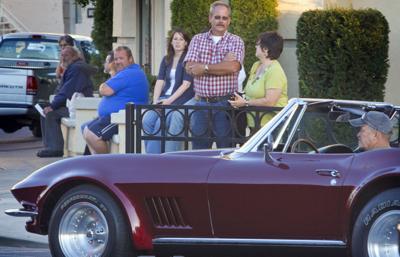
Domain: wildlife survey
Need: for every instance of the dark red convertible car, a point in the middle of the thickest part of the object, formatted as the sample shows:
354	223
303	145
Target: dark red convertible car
298	187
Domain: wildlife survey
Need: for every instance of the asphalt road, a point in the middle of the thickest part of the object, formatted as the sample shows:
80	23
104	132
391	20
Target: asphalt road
18	160
21	248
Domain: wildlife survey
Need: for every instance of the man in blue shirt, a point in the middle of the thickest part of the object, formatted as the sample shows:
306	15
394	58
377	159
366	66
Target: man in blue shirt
128	85
76	78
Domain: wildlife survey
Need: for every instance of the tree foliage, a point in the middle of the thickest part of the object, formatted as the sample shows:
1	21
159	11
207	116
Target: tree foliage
249	19
101	32
343	54
192	16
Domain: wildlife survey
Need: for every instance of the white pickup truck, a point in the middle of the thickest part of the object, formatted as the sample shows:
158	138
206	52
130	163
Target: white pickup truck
27	75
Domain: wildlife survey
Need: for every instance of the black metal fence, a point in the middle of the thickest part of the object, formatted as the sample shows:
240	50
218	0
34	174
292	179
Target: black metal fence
238	134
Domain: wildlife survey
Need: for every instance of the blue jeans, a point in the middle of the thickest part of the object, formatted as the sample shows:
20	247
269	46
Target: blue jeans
174	127
221	128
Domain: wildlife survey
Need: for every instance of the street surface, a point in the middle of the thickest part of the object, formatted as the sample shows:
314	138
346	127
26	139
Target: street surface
17	160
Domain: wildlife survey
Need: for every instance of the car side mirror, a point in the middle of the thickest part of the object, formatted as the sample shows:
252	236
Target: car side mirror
268	147
267	156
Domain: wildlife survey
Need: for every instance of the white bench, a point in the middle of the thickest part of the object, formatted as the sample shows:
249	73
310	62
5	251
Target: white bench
117	144
86	110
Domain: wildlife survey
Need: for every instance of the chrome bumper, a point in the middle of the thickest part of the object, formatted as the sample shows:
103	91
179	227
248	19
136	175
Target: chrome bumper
21	213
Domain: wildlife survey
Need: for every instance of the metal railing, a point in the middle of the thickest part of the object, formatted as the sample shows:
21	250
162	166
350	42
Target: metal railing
238	133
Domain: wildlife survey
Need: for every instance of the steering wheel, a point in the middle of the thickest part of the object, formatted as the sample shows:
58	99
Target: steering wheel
305	141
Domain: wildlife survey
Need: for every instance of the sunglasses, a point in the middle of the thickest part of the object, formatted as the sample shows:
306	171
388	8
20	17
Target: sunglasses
224	18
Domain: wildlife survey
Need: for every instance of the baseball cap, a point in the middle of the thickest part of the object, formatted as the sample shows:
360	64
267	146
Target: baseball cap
376	120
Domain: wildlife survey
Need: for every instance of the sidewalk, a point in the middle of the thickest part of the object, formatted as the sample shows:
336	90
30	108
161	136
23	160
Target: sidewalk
17	160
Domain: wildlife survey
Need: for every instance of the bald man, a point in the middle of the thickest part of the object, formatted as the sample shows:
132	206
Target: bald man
76	78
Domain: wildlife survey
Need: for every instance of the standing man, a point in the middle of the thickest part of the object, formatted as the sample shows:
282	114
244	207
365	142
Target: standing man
128	85
215	77
76	78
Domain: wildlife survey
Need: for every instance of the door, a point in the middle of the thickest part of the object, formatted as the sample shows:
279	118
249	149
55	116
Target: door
298	199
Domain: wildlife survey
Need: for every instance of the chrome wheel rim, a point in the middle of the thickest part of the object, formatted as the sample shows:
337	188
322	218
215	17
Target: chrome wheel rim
83	231
383	237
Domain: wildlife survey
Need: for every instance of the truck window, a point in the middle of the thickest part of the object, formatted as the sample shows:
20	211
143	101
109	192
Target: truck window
29	49
89	50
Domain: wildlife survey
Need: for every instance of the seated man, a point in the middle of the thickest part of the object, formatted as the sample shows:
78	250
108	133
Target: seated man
375	131
76	79
128	85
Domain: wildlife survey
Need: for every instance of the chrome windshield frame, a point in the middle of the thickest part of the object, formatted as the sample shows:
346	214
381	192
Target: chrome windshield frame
252	144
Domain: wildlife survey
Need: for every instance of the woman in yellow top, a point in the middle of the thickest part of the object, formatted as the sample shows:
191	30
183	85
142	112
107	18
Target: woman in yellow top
267	83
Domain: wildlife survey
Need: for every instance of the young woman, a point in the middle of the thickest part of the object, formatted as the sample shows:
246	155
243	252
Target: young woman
267	83
173	86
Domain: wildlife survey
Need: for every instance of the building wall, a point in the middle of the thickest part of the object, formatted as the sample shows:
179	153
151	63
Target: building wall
389	9
125	24
289	13
38	15
81	25
53	16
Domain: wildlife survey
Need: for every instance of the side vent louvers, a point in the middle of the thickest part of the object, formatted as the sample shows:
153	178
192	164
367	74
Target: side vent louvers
166	212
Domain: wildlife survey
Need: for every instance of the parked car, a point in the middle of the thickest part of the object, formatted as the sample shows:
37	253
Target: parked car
299	186
27	75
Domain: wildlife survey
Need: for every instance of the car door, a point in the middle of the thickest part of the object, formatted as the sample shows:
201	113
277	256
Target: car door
295	199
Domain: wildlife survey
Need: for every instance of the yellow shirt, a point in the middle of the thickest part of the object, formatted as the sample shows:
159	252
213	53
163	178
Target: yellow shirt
273	77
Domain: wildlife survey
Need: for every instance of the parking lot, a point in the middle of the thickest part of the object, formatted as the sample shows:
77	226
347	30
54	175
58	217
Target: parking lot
17	160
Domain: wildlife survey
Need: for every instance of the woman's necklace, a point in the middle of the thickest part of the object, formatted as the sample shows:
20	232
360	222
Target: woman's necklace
260	71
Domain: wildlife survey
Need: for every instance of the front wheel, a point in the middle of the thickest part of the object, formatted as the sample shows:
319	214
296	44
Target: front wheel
375	233
87	222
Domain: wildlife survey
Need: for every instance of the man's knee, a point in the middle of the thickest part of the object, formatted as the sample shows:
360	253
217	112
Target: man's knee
52	116
89	136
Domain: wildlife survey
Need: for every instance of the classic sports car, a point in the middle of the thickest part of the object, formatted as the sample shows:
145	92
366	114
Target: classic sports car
299	186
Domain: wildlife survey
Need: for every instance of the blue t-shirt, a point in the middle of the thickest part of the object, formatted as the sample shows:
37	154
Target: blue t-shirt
129	85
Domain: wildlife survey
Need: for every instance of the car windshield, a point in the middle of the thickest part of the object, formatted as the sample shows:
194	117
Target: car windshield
308	127
318	128
27	48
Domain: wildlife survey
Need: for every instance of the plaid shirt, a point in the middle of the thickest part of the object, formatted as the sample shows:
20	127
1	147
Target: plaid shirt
203	50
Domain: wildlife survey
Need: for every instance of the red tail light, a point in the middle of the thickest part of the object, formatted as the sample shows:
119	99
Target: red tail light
31	85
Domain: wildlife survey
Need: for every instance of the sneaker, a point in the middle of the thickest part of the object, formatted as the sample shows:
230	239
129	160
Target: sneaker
49	153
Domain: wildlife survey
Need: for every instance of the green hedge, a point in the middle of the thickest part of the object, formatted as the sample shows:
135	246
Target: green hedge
343	54
249	18
192	16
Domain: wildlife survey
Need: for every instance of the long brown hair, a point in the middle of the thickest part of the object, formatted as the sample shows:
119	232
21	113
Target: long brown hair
170	48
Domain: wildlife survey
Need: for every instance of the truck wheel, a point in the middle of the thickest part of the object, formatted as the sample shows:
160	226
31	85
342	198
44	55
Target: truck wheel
36	130
375	233
87	220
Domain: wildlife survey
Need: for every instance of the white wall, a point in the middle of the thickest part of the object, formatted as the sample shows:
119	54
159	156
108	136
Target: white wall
85	28
47	16
289	13
38	15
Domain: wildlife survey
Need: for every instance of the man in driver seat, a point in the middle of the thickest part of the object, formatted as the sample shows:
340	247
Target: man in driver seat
375	131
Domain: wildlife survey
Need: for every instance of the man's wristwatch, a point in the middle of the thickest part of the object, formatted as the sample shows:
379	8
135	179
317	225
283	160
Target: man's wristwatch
206	69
